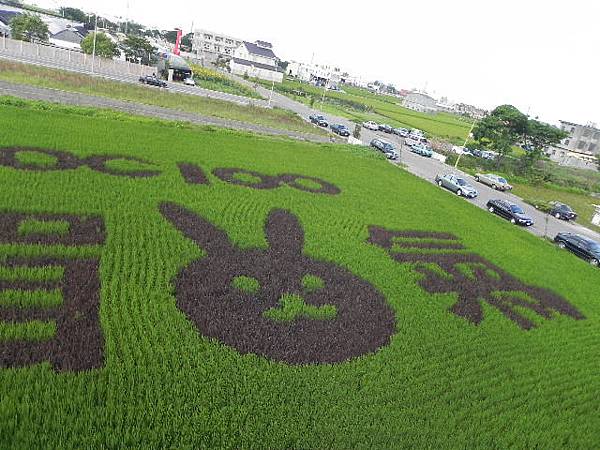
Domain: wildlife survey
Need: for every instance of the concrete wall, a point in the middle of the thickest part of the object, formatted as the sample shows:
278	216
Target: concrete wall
68	59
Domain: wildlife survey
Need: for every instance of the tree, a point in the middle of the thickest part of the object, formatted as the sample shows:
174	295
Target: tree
502	129
29	27
74	14
537	137
506	126
283	65
104	46
138	49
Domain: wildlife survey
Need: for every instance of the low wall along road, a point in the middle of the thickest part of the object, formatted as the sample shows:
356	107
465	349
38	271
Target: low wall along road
47	55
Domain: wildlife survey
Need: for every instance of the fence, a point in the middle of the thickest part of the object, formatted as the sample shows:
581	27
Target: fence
73	60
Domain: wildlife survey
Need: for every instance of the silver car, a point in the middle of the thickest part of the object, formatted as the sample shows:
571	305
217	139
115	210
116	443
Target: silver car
456	184
494	181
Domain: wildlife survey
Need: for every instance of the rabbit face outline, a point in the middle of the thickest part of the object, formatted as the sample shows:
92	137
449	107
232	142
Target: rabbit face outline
342	318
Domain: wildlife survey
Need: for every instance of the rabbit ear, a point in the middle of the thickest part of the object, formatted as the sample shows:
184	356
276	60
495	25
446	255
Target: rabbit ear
284	233
203	233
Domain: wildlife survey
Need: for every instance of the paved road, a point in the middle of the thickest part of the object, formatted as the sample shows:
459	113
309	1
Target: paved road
423	167
134	79
428	168
71	98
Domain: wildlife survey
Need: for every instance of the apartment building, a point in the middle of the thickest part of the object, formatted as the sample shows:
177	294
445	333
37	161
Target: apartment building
421	102
211	45
322	73
580	148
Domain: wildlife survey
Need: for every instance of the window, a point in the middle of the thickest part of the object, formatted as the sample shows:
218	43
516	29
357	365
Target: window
587	132
572	129
228	41
217	48
206	46
567	141
228	51
218	39
592	148
208	37
597	135
581	145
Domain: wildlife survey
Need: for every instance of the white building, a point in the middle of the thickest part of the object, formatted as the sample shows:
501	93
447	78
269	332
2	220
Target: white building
256	60
580	149
421	102
321	73
211	45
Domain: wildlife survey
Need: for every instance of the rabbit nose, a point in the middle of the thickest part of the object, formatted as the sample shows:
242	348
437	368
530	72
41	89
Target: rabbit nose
293	306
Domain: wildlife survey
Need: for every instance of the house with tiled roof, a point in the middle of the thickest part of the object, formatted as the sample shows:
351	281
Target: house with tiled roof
256	60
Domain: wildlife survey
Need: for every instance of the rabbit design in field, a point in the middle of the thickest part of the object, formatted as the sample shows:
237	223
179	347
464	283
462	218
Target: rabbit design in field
277	302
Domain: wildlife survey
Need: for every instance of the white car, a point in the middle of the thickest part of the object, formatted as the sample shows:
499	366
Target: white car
370	125
411	140
189	82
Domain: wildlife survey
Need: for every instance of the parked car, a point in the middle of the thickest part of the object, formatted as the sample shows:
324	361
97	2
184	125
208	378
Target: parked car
370	125
410	141
340	129
582	246
385	147
152	80
386	128
509	211
402	132
422	150
562	211
488	155
189	82
477	153
319	120
494	181
456	184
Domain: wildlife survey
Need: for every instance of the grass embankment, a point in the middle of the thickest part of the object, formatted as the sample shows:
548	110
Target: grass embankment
360	105
582	203
72	82
440	381
215	81
545	183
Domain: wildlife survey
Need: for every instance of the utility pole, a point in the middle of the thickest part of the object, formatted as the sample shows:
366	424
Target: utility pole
94	45
127	19
271	95
466	140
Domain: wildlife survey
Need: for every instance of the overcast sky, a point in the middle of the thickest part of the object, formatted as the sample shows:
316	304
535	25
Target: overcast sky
541	56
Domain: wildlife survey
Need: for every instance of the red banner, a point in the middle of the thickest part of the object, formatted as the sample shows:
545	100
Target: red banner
178	42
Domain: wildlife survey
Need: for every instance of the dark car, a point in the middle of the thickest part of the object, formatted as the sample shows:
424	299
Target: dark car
319	120
510	211
340	129
582	246
386	128
152	80
385	147
562	211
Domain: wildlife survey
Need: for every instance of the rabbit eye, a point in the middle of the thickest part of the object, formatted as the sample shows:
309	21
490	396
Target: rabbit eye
249	285
312	283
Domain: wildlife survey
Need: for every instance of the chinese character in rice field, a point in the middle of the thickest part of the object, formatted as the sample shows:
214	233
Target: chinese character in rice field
277	302
447	268
49	306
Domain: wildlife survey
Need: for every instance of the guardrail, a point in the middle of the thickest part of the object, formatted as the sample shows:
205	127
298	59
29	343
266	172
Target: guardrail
44	54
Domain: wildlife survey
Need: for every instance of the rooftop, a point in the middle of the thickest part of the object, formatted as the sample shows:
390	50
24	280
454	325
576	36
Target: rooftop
255	49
